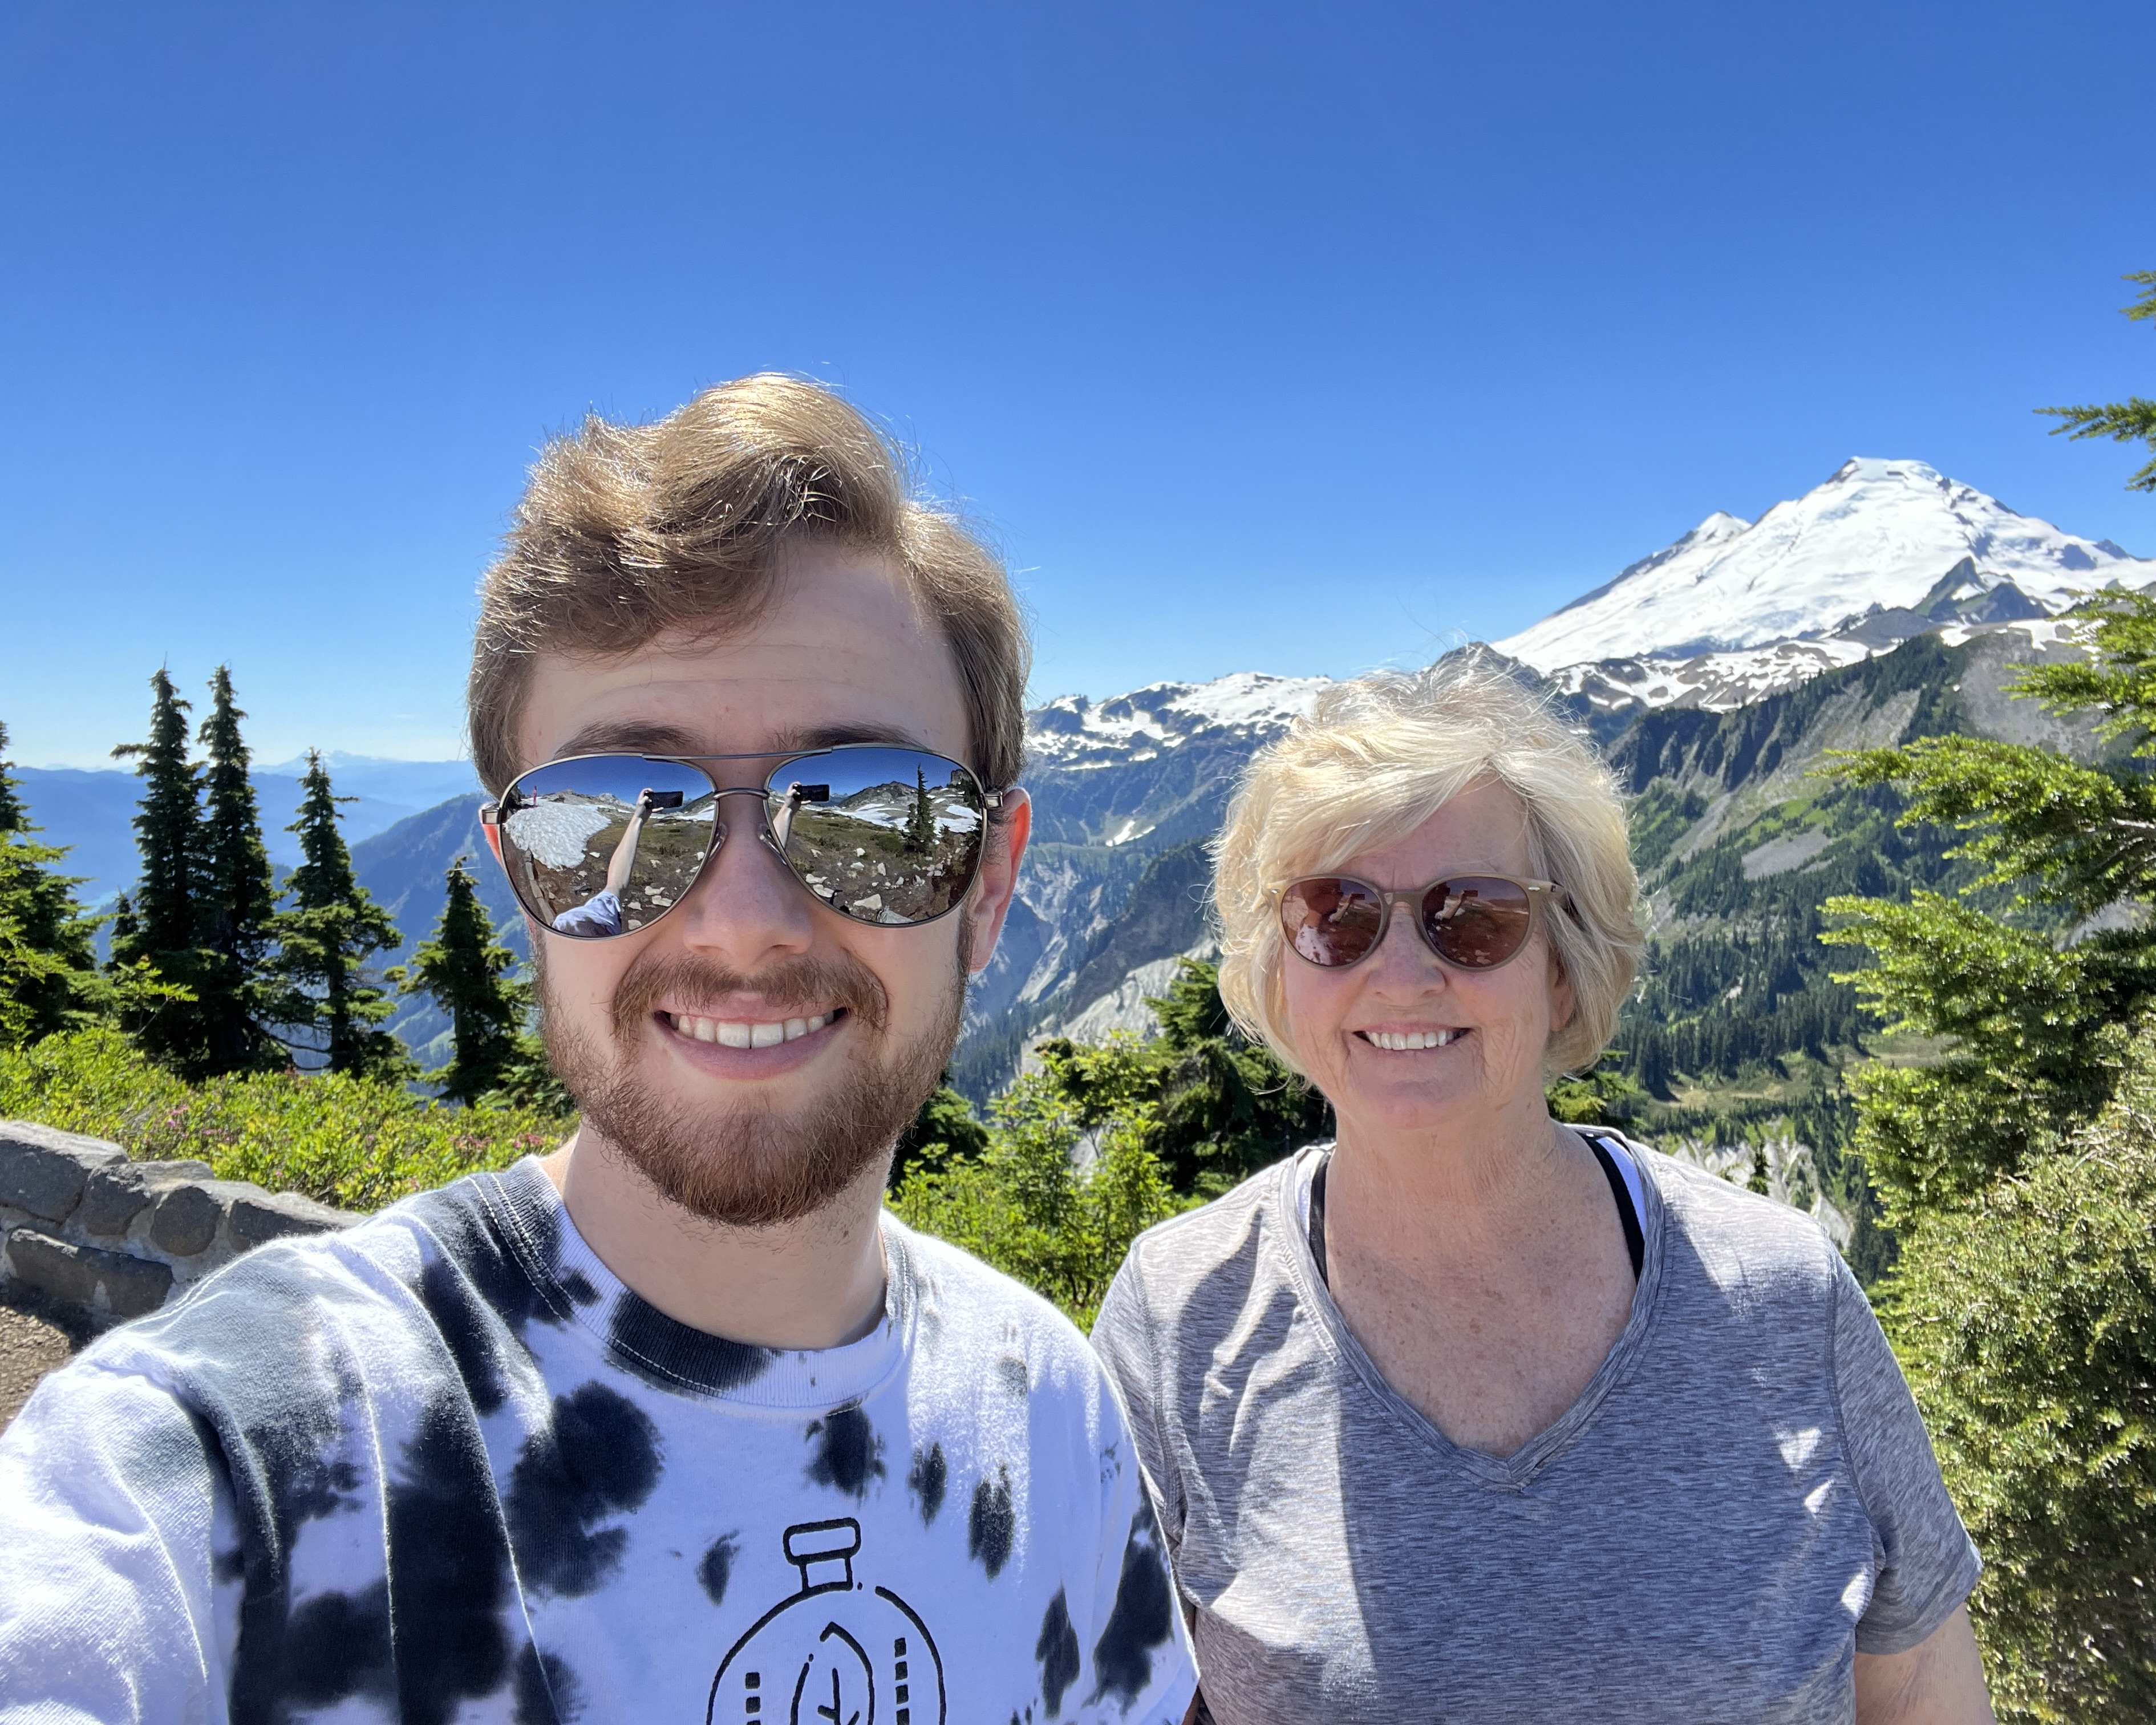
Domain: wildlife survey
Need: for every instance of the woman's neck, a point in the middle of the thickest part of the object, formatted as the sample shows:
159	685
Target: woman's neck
1440	1187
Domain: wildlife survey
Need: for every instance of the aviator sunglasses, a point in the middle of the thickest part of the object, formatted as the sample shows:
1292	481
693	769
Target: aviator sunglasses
1475	921
601	845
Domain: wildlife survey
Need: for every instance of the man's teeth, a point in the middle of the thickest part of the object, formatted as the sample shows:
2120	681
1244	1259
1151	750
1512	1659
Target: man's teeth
1401	1041
734	1032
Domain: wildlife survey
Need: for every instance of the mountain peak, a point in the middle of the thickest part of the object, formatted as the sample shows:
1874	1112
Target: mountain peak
1878	535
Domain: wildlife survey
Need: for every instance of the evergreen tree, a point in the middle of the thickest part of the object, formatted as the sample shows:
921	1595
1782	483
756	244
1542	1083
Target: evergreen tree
2035	1030
238	898
49	979
1221	1108
466	972
324	941
2129	421
163	938
921	817
945	1131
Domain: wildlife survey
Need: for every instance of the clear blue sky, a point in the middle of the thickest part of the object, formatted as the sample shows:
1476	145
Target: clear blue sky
1291	338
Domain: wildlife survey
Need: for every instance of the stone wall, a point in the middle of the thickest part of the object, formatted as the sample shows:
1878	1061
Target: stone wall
114	1238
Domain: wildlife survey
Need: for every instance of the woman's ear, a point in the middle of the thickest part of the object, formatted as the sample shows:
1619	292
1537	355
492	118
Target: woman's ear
1564	1004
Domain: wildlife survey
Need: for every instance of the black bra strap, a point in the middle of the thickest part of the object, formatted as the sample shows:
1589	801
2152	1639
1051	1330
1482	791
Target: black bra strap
1318	1217
1635	1242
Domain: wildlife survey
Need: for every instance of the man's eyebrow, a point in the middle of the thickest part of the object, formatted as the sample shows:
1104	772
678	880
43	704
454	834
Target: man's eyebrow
629	737
638	736
832	736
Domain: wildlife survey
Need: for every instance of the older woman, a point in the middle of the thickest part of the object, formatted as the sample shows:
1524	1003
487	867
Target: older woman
1470	1415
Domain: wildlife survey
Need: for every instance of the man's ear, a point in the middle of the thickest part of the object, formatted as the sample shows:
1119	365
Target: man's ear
993	888
494	841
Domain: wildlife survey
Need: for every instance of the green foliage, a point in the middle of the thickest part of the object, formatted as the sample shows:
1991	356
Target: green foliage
323	942
236	899
1223	1107
1026	1207
2033	1038
1660	816
162	936
466	972
348	1142
945	1130
2033	1028
2132	420
48	977
1601	1096
2026	1323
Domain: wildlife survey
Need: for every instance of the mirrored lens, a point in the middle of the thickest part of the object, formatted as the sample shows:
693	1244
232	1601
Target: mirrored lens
881	835
1476	921
1332	920
605	843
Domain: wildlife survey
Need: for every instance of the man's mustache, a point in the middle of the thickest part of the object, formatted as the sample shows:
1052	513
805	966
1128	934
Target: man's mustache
814	984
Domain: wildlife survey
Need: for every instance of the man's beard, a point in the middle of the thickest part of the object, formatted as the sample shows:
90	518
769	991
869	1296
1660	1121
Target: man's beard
754	1167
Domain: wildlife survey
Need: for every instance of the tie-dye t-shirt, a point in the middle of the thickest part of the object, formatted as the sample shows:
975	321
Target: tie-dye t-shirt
444	1467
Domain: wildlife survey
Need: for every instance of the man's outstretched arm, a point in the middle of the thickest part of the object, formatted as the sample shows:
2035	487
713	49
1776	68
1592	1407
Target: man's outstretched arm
111	1507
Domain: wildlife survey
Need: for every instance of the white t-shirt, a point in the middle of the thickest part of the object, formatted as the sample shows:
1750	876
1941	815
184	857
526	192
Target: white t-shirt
444	1467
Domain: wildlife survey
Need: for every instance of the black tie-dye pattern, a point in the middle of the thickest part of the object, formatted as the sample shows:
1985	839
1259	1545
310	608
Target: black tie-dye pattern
992	1524
476	1336
668	1355
546	1689
1142	1619
850	1455
1011	1372
1057	1651
927	1480
598	1457
717	1567
337	1646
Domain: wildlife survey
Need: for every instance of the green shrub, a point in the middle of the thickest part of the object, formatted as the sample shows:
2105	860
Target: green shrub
352	1142
2026	1322
1024	1206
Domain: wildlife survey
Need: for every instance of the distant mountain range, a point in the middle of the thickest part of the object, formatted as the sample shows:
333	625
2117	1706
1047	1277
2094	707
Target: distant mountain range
1127	791
89	812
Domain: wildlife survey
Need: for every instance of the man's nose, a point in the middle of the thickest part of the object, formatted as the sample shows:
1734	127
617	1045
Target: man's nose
746	907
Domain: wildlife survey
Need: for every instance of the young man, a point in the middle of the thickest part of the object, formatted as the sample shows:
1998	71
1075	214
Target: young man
676	1424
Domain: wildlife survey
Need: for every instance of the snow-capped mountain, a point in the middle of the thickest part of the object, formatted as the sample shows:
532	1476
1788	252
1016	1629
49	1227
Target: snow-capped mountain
1071	731
1880	537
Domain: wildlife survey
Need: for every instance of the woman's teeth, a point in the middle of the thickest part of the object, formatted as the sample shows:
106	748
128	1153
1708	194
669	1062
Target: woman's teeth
732	1033
1400	1041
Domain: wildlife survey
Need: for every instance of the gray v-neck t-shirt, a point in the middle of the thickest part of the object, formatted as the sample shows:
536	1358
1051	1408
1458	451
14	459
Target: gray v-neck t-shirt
1741	1499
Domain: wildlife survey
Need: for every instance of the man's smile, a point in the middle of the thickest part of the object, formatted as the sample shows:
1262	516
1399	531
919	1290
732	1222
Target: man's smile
748	1033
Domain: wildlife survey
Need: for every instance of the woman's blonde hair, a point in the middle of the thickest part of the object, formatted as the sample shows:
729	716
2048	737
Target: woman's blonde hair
1375	759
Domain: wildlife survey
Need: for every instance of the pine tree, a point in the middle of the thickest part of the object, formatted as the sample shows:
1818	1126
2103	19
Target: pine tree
2132	420
2033	1029
466	972
238	899
164	935
920	818
48	977
324	941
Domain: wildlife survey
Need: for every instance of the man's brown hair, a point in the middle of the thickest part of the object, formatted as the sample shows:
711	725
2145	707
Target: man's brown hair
627	533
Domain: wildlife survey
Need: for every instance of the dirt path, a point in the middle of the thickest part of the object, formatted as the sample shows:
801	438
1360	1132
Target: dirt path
33	1340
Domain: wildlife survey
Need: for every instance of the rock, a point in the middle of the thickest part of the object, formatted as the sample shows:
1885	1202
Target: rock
44	1171
186	1219
258	1216
75	1273
114	1196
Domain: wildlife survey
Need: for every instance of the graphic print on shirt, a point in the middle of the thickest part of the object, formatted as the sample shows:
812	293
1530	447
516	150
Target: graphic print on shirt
834	1653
